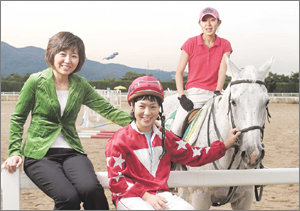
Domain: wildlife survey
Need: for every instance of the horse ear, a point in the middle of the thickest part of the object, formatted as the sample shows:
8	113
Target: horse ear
232	69
265	68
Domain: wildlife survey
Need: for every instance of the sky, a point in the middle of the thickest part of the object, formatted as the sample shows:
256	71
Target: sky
149	34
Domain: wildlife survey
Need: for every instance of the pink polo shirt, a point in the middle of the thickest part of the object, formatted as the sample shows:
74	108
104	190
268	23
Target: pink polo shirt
203	62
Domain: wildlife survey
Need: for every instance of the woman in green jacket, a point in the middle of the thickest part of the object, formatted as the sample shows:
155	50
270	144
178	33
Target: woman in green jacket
53	155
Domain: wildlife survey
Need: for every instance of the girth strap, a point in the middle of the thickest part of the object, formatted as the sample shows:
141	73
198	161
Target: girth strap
231	191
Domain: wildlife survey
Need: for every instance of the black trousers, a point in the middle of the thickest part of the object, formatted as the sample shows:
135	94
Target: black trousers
68	177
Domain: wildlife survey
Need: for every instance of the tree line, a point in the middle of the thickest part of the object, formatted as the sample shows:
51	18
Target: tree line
276	83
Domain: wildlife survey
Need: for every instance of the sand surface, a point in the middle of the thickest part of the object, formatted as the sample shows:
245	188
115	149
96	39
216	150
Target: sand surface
281	146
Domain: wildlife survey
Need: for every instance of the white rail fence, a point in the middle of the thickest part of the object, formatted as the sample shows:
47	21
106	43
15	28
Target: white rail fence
6	96
114	97
170	92
11	184
111	96
105	93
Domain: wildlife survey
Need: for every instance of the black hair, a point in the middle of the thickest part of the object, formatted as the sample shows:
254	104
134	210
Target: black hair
64	41
153	98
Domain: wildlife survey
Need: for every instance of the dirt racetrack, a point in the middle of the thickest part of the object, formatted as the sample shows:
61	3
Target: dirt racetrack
281	146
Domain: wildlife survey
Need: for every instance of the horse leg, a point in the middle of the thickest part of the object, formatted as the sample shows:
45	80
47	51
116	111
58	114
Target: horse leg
184	193
201	200
245	200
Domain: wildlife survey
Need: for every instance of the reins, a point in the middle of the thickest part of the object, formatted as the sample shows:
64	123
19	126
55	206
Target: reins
219	136
232	189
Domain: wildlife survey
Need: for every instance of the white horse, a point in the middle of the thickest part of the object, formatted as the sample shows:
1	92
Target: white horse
242	105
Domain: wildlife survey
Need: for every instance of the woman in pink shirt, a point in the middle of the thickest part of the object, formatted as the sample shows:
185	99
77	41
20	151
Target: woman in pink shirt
205	56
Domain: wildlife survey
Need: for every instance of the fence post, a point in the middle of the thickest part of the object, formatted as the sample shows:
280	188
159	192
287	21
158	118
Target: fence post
10	185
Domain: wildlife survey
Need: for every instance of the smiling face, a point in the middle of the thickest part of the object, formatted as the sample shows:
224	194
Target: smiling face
145	113
209	25
65	62
62	42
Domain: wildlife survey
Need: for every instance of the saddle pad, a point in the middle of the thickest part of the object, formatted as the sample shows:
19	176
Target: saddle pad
169	120
191	133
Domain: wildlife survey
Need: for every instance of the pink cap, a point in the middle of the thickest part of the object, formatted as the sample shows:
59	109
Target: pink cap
209	11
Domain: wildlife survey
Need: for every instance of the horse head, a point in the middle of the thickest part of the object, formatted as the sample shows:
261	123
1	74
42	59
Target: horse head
247	106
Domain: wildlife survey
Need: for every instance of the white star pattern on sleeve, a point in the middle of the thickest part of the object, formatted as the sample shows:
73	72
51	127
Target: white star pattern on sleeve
207	149
119	161
129	185
196	152
181	144
118	177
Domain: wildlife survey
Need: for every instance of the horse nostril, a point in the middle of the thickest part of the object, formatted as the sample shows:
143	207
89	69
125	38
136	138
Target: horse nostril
262	154
243	154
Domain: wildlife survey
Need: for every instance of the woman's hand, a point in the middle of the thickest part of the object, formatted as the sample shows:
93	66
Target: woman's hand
157	202
12	163
186	103
232	136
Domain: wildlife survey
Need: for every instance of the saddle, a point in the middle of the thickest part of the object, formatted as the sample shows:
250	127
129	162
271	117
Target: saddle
190	117
194	122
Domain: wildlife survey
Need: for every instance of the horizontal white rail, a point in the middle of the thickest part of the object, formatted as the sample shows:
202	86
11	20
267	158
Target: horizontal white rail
12	183
219	178
167	92
10	93
284	94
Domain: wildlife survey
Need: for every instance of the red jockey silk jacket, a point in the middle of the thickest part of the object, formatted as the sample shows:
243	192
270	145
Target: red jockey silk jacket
132	170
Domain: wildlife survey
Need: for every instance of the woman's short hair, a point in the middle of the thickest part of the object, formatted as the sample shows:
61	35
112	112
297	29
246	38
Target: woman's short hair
64	41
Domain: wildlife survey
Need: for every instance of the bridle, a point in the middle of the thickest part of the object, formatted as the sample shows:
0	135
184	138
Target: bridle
236	146
233	125
255	127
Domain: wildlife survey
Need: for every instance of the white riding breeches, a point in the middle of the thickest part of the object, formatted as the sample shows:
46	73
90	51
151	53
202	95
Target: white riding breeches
137	203
199	97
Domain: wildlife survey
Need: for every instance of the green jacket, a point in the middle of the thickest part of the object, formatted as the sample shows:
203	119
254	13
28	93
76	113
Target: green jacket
38	95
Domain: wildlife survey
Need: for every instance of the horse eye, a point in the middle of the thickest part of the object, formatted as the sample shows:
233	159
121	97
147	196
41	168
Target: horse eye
233	102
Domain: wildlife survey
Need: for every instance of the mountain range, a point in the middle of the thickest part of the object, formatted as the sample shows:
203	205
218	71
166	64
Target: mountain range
31	59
